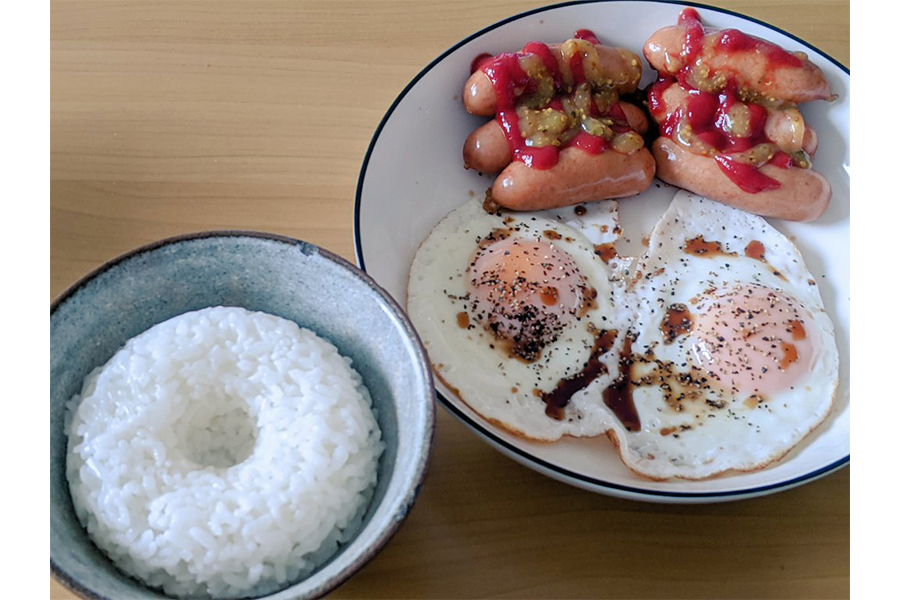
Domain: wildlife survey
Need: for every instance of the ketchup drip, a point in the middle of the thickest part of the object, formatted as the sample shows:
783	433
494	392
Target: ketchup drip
511	82
616	113
708	116
587	35
548	59
478	61
689	19
576	65
655	101
735	41
731	41
538	158
507	76
781	160
592	144
747	177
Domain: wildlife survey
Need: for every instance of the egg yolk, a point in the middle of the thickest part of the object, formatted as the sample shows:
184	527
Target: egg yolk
753	339
524	292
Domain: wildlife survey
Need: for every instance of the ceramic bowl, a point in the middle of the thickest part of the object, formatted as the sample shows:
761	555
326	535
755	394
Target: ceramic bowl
414	168
284	277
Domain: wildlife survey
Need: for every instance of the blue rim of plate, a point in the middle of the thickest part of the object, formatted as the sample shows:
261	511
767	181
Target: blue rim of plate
501	443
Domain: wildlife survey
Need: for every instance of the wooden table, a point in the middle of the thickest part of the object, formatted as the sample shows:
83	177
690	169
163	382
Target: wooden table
180	116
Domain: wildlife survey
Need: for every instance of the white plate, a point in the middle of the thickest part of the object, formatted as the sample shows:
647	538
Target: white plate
412	176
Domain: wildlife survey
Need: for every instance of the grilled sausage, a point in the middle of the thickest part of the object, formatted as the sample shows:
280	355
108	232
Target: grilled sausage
802	195
577	177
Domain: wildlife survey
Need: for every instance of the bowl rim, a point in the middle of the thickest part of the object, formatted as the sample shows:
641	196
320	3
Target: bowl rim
520	455
419	471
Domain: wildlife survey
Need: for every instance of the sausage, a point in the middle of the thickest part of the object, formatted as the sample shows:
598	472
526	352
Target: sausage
617	67
803	196
478	95
789	131
577	177
785	127
636	117
754	64
534	77
487	151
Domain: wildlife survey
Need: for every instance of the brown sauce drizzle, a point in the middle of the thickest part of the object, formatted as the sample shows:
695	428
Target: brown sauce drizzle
618	396
552	235
753	401
588	302
607	252
558	399
678	321
489	205
700	247
755	250
550	296
526	348
797	331
462	319
790	355
453	390
494	236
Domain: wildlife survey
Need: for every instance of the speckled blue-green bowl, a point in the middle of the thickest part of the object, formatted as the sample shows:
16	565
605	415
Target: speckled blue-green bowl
277	275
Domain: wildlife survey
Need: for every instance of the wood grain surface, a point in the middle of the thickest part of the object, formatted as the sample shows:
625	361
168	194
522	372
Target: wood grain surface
180	116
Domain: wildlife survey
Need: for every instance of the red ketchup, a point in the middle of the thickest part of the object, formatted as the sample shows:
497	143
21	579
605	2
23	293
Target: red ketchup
507	76
654	97
511	82
734	41
587	35
478	61
731	41
693	34
617	114
746	176
548	59
707	113
592	144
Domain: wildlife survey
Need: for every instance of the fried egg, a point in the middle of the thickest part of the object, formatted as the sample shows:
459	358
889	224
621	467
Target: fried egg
731	359
519	315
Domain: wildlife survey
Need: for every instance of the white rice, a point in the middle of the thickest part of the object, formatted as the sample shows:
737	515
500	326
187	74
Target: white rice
222	453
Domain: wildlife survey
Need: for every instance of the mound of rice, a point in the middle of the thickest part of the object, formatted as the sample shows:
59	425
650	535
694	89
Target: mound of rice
223	453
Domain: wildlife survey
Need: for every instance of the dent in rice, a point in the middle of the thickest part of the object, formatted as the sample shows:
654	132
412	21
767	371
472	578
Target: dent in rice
222	453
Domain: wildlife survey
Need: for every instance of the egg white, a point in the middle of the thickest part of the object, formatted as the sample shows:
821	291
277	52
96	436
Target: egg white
703	438
468	360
